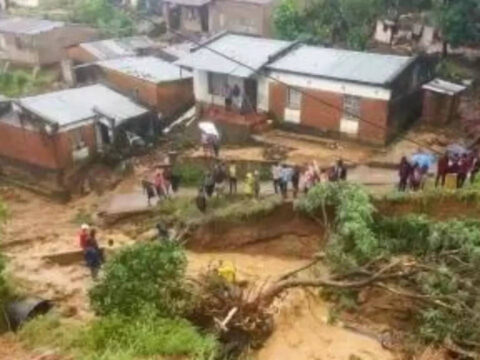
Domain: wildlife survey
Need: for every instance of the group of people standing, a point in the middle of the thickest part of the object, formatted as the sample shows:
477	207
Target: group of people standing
165	182
413	175
304	178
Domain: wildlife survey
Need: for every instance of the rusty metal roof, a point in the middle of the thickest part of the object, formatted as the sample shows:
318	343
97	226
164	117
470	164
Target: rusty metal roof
27	26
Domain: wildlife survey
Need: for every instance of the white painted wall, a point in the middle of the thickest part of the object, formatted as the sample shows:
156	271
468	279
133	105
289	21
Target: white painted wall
306	82
26	3
200	88
292	116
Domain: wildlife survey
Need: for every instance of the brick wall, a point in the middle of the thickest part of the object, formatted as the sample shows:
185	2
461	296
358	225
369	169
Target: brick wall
321	110
39	149
168	98
175	96
373	127
79	55
277	101
147	91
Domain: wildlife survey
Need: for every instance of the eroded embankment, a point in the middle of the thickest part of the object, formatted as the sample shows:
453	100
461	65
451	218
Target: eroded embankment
282	232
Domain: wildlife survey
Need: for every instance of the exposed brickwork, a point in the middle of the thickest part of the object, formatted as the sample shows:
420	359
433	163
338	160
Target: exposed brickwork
374	128
39	149
167	98
277	101
321	110
79	55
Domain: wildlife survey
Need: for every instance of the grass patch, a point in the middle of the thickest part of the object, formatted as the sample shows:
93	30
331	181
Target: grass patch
17	83
119	338
470	194
190	174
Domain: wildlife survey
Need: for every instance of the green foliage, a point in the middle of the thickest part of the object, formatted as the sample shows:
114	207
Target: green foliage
150	274
145	336
191	174
115	337
103	14
459	21
347	22
353	240
20	82
82	216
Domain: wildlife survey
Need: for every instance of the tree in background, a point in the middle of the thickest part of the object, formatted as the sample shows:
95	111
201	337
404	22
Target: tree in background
348	22
459	21
103	14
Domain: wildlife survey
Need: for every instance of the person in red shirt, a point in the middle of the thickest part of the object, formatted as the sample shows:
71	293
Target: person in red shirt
83	236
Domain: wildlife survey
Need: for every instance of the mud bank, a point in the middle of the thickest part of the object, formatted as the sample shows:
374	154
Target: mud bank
283	232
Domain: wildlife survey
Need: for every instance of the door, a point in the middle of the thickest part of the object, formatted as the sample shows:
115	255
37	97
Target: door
251	94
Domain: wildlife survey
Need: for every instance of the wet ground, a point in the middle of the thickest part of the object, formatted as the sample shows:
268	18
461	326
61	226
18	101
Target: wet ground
37	227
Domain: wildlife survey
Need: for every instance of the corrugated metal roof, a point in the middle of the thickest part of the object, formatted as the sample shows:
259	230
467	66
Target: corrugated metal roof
189	2
249	50
444	87
341	64
115	48
147	68
28	26
70	106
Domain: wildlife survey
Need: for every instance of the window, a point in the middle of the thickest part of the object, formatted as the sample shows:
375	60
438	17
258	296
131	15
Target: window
191	13
217	84
77	139
351	107
294	99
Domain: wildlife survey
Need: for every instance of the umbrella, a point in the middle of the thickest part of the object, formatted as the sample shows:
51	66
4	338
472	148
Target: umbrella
456	149
209	128
423	159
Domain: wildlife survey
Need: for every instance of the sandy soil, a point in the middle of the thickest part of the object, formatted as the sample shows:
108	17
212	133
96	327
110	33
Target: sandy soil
38	226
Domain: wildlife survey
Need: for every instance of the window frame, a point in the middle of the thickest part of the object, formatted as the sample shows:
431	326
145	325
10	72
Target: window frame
222	78
352	107
297	104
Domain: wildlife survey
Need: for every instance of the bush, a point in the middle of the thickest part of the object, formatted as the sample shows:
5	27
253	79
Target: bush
145	336
142	275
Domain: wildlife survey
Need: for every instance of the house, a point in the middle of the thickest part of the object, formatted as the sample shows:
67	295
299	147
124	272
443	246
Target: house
242	16
37	42
441	101
190	16
213	16
215	75
365	96
51	134
88	52
161	85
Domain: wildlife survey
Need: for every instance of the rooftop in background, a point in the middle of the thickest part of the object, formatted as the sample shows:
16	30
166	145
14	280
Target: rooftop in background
72	106
174	52
252	51
444	87
27	26
340	64
189	2
147	68
115	48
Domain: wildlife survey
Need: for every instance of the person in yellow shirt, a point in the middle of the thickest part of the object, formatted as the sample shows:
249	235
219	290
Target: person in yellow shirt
249	184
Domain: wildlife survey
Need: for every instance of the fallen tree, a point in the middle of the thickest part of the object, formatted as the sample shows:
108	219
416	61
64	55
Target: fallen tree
432	264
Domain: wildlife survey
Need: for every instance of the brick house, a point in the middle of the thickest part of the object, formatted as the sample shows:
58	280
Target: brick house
87	52
51	134
215	76
366	96
213	16
38	42
158	84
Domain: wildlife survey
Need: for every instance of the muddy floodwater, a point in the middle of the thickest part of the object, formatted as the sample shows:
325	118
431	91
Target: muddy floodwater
38	227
